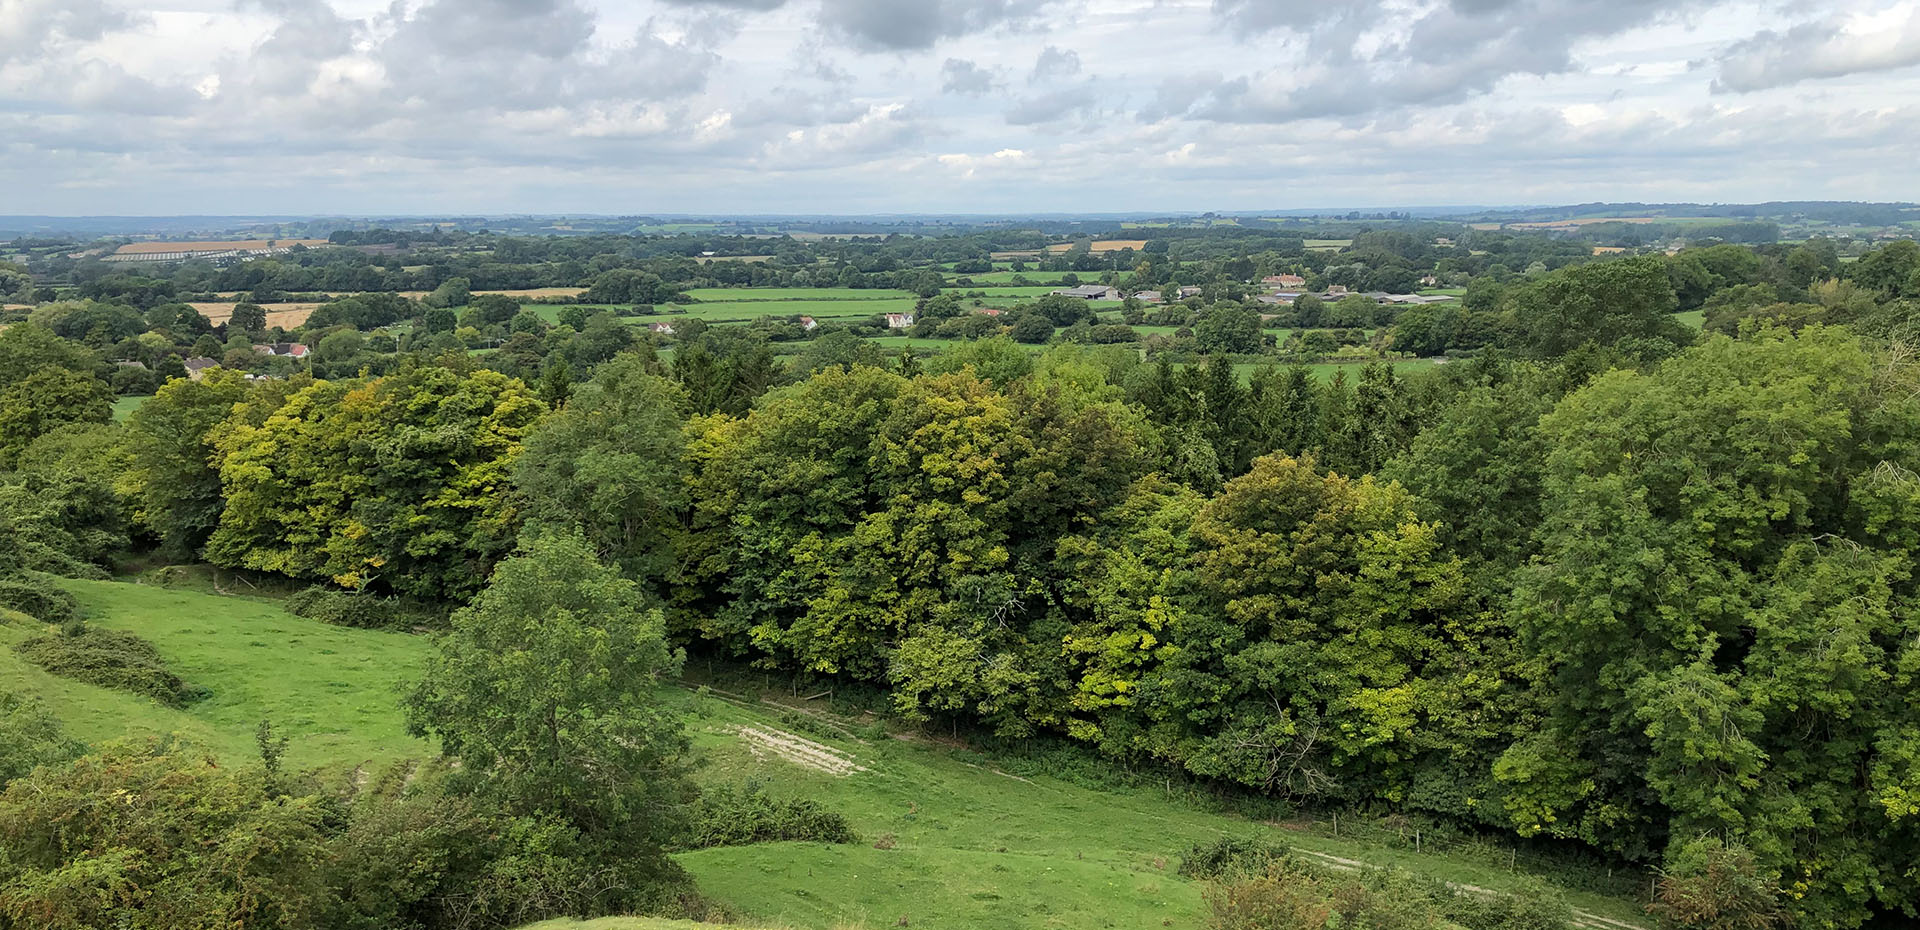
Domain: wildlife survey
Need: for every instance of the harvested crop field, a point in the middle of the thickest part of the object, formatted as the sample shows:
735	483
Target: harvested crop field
285	316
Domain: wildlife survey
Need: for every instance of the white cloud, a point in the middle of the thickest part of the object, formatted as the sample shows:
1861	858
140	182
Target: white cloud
975	105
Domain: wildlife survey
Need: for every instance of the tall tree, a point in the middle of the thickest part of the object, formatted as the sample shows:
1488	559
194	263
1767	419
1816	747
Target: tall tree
546	689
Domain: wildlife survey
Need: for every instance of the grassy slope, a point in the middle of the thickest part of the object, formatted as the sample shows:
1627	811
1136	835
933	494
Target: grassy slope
333	690
974	847
978	848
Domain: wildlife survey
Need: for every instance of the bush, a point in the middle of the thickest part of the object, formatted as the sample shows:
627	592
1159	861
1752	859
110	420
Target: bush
37	595
1537	906
29	738
736	816
1230	857
108	658
365	611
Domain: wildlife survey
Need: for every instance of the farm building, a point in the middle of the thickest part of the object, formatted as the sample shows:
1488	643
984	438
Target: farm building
1089	292
281	349
899	320
1152	297
808	323
197	366
664	329
1284	280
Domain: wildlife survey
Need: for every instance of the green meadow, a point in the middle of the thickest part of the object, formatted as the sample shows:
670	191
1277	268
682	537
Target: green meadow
949	838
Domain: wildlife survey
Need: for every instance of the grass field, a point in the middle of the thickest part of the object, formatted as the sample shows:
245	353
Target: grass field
744	310
122	406
1049	278
1693	318
737	294
333	690
970	842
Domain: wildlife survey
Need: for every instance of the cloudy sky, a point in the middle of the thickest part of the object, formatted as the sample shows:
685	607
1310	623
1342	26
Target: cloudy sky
875	106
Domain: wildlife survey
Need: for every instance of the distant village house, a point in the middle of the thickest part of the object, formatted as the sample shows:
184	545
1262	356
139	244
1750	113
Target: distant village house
281	349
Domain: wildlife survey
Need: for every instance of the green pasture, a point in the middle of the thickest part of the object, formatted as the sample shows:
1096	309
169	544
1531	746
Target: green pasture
333	690
738	294
949	838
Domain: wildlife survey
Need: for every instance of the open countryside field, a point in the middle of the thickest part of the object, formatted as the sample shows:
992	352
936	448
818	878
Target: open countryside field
285	316
738	294
977	843
1101	245
745	310
529	293
1048	278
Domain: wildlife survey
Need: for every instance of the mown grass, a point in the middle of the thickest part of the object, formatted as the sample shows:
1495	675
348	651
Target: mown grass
968	842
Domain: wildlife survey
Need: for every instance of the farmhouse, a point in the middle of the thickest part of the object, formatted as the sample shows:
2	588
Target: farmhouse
664	329
282	349
1152	297
1089	292
899	320
1284	280
197	366
808	323
989	311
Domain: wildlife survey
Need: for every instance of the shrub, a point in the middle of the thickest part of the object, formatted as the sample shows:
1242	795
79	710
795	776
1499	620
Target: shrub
1287	897
37	595
365	611
108	658
728	815
1718	886
1230	857
1537	906
29	737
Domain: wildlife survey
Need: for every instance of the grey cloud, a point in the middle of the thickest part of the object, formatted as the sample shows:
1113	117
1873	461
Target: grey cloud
959	76
1050	107
1448	54
1054	63
1178	95
754	5
1257	16
28	26
1812	51
893	25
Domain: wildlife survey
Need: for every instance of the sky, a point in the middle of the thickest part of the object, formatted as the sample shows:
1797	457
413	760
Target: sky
952	106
